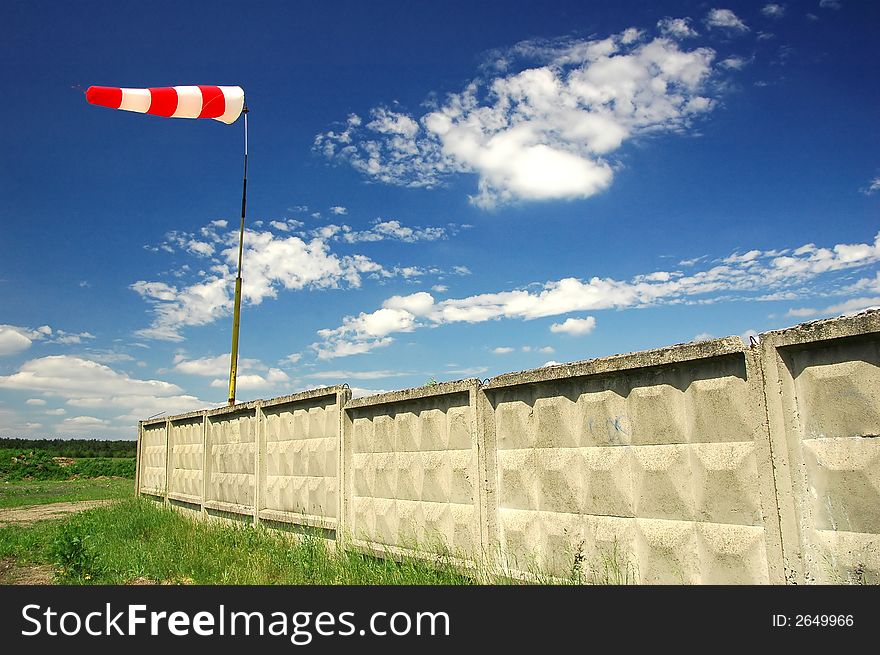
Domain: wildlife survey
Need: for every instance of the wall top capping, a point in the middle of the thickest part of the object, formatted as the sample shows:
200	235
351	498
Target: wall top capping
644	359
824	329
440	389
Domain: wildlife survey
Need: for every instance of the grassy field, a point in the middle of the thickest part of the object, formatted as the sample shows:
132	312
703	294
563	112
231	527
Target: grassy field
38	464
135	540
41	492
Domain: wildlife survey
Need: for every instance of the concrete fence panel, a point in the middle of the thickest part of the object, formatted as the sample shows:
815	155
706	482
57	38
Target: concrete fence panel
152	453
186	450
655	464
300	442
411	472
823	388
231	453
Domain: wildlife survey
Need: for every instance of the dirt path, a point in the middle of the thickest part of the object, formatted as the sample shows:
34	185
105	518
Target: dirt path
13	573
34	513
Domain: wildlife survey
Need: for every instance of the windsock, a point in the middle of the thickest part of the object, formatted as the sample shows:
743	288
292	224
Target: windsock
222	103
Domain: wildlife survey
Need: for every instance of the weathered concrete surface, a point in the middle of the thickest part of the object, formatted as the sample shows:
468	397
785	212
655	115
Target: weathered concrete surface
823	393
707	462
231	451
186	449
152	458
412	471
299	458
655	456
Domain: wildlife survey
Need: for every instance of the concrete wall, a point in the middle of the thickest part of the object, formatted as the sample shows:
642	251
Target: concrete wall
709	462
411	472
659	457
273	460
823	392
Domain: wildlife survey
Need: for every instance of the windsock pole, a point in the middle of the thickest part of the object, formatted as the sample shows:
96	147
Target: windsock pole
236	314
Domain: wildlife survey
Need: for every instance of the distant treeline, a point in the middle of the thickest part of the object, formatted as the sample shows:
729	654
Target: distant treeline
74	447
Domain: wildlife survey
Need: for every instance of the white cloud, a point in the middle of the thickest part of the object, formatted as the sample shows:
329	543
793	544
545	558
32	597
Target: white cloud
676	28
272	262
830	4
254	381
214	366
35	401
702	336
873	186
291	359
338	210
502	350
108	356
547	350
85	422
773	10
575	326
360	392
440	288
13	340
473	370
417	304
544	132
734	63
393	230
341	376
87	384
755	275
725	19
852	306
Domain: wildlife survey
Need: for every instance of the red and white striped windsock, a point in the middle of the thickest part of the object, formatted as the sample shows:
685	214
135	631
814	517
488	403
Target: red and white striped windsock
222	103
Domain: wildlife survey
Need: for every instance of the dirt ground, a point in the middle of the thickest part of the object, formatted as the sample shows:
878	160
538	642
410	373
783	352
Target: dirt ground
12	573
34	513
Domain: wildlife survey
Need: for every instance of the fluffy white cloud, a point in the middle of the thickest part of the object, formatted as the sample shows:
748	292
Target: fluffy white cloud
393	230
726	20
86	384
272	262
338	210
13	340
35	401
503	350
576	327
755	275
773	10
544	132
734	63
676	28
214	366
254	381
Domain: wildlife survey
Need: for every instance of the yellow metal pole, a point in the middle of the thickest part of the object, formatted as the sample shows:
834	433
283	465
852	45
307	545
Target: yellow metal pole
236	312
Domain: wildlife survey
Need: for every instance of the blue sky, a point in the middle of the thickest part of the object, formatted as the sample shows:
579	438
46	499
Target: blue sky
436	190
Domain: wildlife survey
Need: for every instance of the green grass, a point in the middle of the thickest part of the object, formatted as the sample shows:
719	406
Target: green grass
136	539
41	492
36	464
